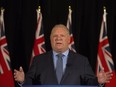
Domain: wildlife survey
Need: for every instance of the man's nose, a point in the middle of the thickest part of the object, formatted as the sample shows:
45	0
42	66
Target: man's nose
59	38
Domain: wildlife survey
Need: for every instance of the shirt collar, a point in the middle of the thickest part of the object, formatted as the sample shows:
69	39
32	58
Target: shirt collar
64	53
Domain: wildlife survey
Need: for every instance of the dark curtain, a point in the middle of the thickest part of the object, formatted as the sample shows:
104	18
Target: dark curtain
20	25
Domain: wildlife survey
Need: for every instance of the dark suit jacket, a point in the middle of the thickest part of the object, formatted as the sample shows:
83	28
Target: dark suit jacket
78	71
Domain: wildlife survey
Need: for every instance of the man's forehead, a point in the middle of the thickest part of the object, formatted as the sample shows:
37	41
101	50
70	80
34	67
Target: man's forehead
59	29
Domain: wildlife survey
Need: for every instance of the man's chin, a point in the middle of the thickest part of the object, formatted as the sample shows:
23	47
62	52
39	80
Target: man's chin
59	50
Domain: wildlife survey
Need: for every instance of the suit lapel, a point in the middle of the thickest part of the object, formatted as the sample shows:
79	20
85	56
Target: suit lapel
51	68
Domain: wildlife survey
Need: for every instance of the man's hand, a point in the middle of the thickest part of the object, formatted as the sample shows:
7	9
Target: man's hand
104	77
19	75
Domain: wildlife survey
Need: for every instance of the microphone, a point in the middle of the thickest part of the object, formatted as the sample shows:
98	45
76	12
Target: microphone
68	64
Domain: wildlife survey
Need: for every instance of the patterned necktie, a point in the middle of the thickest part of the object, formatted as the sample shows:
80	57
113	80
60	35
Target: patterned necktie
59	67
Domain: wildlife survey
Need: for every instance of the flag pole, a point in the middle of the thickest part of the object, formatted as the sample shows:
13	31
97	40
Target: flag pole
38	11
104	8
105	13
2	10
1	15
69	8
105	18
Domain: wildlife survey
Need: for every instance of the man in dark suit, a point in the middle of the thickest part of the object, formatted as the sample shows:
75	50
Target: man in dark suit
76	69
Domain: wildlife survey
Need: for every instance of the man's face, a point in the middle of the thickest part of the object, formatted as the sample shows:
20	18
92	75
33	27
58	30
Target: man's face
60	39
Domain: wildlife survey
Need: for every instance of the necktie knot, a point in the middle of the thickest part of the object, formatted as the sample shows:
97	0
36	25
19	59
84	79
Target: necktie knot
60	55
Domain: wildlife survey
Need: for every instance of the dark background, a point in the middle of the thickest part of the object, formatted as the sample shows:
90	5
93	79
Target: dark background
20	24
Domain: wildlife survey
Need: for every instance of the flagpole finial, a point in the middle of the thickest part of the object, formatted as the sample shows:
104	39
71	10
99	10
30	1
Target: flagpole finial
104	8
2	10
39	9
69	7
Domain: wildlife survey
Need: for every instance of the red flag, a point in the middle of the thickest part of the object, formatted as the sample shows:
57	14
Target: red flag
6	77
104	57
39	43
69	26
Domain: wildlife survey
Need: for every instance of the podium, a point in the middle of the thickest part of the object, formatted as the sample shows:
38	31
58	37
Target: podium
58	86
